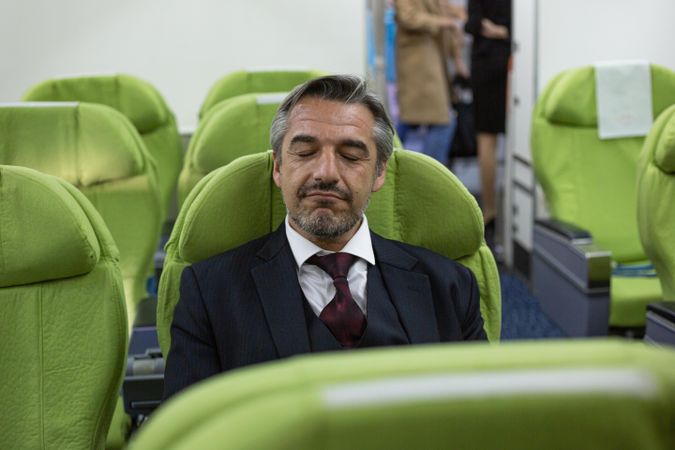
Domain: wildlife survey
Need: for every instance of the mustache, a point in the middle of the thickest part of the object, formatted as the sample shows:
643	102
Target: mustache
322	186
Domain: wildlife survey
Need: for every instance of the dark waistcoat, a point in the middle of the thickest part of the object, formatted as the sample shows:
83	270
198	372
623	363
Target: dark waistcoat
383	324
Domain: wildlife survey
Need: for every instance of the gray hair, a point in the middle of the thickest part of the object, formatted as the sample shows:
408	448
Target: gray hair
348	89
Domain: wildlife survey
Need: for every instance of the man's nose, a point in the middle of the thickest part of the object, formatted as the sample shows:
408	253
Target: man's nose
326	169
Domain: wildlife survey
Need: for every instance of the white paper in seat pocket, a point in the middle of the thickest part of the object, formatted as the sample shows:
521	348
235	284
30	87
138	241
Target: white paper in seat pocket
624	98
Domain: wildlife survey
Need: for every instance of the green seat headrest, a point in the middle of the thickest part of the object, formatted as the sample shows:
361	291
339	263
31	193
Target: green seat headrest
41	222
656	191
135	98
85	144
250	81
572	100
236	127
664	156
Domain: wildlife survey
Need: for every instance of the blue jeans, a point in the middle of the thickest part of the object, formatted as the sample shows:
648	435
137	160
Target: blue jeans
432	140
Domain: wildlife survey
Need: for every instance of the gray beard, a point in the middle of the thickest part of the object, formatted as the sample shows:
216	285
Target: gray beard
324	226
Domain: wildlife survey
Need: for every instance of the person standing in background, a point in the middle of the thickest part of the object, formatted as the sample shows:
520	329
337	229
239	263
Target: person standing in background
427	34
489	22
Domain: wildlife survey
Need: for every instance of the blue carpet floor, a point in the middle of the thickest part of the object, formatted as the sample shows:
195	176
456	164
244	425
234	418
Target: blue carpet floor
522	317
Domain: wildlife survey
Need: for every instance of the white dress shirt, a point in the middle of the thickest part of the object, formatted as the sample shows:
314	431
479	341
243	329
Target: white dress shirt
316	284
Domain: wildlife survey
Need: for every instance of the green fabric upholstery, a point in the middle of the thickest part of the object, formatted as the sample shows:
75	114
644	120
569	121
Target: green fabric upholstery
252	81
84	144
26	261
630	296
120	427
421	203
656	194
96	149
63	326
591	182
593	394
235	127
140	102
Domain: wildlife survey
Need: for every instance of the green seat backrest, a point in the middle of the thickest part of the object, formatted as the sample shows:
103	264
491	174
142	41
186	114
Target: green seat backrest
63	325
140	102
656	199
594	394
96	149
255	81
421	203
235	127
588	181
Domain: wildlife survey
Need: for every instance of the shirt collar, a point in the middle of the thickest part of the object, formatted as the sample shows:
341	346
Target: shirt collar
359	245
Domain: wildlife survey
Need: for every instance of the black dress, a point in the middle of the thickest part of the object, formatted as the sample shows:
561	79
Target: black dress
489	65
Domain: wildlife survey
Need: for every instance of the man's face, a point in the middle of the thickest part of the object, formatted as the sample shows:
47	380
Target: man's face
328	168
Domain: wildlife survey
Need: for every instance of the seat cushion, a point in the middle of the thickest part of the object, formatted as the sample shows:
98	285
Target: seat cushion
630	297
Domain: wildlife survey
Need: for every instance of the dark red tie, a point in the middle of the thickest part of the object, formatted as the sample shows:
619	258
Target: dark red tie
342	315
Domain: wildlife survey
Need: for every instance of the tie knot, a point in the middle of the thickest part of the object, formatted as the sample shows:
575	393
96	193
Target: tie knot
334	264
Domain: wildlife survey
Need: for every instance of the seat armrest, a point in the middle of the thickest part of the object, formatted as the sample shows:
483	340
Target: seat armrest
660	324
571	278
143	385
665	309
566	230
571	250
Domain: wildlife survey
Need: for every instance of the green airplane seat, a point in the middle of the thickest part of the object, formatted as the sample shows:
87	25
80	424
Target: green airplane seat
656	199
255	81
96	149
589	269
583	395
63	325
235	127
421	203
656	221
141	103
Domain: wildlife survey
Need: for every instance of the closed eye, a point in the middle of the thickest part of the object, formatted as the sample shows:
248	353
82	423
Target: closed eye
303	141
351	157
303	146
354	150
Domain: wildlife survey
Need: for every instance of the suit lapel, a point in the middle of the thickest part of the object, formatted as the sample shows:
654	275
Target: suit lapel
277	284
410	291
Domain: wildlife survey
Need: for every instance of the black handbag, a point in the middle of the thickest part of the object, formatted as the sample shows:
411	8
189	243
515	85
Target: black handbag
464	143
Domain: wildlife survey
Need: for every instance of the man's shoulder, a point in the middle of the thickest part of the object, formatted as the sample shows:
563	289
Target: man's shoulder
425	257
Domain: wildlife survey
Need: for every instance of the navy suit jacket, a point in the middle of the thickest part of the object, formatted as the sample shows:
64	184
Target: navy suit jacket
245	306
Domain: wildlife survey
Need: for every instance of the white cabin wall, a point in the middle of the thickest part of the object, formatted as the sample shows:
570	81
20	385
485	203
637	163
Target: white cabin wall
181	47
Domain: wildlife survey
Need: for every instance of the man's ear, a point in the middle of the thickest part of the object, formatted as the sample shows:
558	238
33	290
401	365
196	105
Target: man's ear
276	175
380	178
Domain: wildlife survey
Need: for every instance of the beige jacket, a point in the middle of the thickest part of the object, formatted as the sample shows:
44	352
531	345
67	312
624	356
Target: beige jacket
422	49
